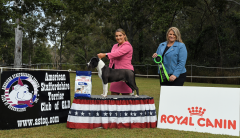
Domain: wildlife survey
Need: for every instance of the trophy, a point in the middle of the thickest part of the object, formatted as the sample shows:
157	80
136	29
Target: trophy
162	71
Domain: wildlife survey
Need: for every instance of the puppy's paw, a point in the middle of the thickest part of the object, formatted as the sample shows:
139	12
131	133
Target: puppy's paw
103	95
136	95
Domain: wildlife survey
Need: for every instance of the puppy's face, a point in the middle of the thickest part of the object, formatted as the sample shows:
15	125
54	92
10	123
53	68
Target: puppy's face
93	63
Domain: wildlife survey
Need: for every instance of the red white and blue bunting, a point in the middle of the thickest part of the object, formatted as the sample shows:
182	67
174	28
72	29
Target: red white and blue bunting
112	113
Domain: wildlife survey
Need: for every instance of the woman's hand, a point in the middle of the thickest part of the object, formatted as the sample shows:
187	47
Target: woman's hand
101	55
154	55
172	78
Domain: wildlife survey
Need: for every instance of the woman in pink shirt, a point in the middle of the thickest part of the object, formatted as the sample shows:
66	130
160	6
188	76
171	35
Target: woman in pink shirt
120	58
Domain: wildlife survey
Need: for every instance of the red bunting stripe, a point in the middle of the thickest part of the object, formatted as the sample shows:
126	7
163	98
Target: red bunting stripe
111	125
114	102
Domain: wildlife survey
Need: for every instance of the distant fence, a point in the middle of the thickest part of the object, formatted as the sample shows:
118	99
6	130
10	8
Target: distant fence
195	73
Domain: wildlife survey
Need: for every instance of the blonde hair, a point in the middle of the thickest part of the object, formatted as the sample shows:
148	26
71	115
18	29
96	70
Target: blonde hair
123	32
176	32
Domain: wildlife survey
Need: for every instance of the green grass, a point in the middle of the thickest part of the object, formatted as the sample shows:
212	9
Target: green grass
147	86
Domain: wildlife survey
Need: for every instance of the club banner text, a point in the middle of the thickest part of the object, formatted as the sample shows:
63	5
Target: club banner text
34	98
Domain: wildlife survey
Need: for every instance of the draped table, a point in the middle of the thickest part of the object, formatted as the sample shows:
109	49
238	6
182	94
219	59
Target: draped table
114	111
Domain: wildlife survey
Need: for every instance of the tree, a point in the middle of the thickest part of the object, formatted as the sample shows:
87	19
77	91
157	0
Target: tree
6	34
86	39
42	52
207	33
19	9
135	15
32	25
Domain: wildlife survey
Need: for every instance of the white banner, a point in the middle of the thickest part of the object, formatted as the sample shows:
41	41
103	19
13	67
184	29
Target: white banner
201	109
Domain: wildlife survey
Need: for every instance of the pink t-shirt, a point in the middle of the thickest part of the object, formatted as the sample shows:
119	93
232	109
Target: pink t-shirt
121	56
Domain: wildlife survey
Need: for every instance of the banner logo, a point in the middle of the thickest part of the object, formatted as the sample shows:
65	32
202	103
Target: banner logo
21	91
201	122
196	111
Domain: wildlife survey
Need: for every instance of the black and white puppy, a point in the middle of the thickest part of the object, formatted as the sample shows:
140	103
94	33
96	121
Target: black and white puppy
109	75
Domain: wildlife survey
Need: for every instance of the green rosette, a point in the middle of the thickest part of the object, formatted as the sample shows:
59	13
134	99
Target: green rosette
162	71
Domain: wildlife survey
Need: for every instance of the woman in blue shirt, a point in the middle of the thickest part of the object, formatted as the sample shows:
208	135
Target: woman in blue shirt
174	54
